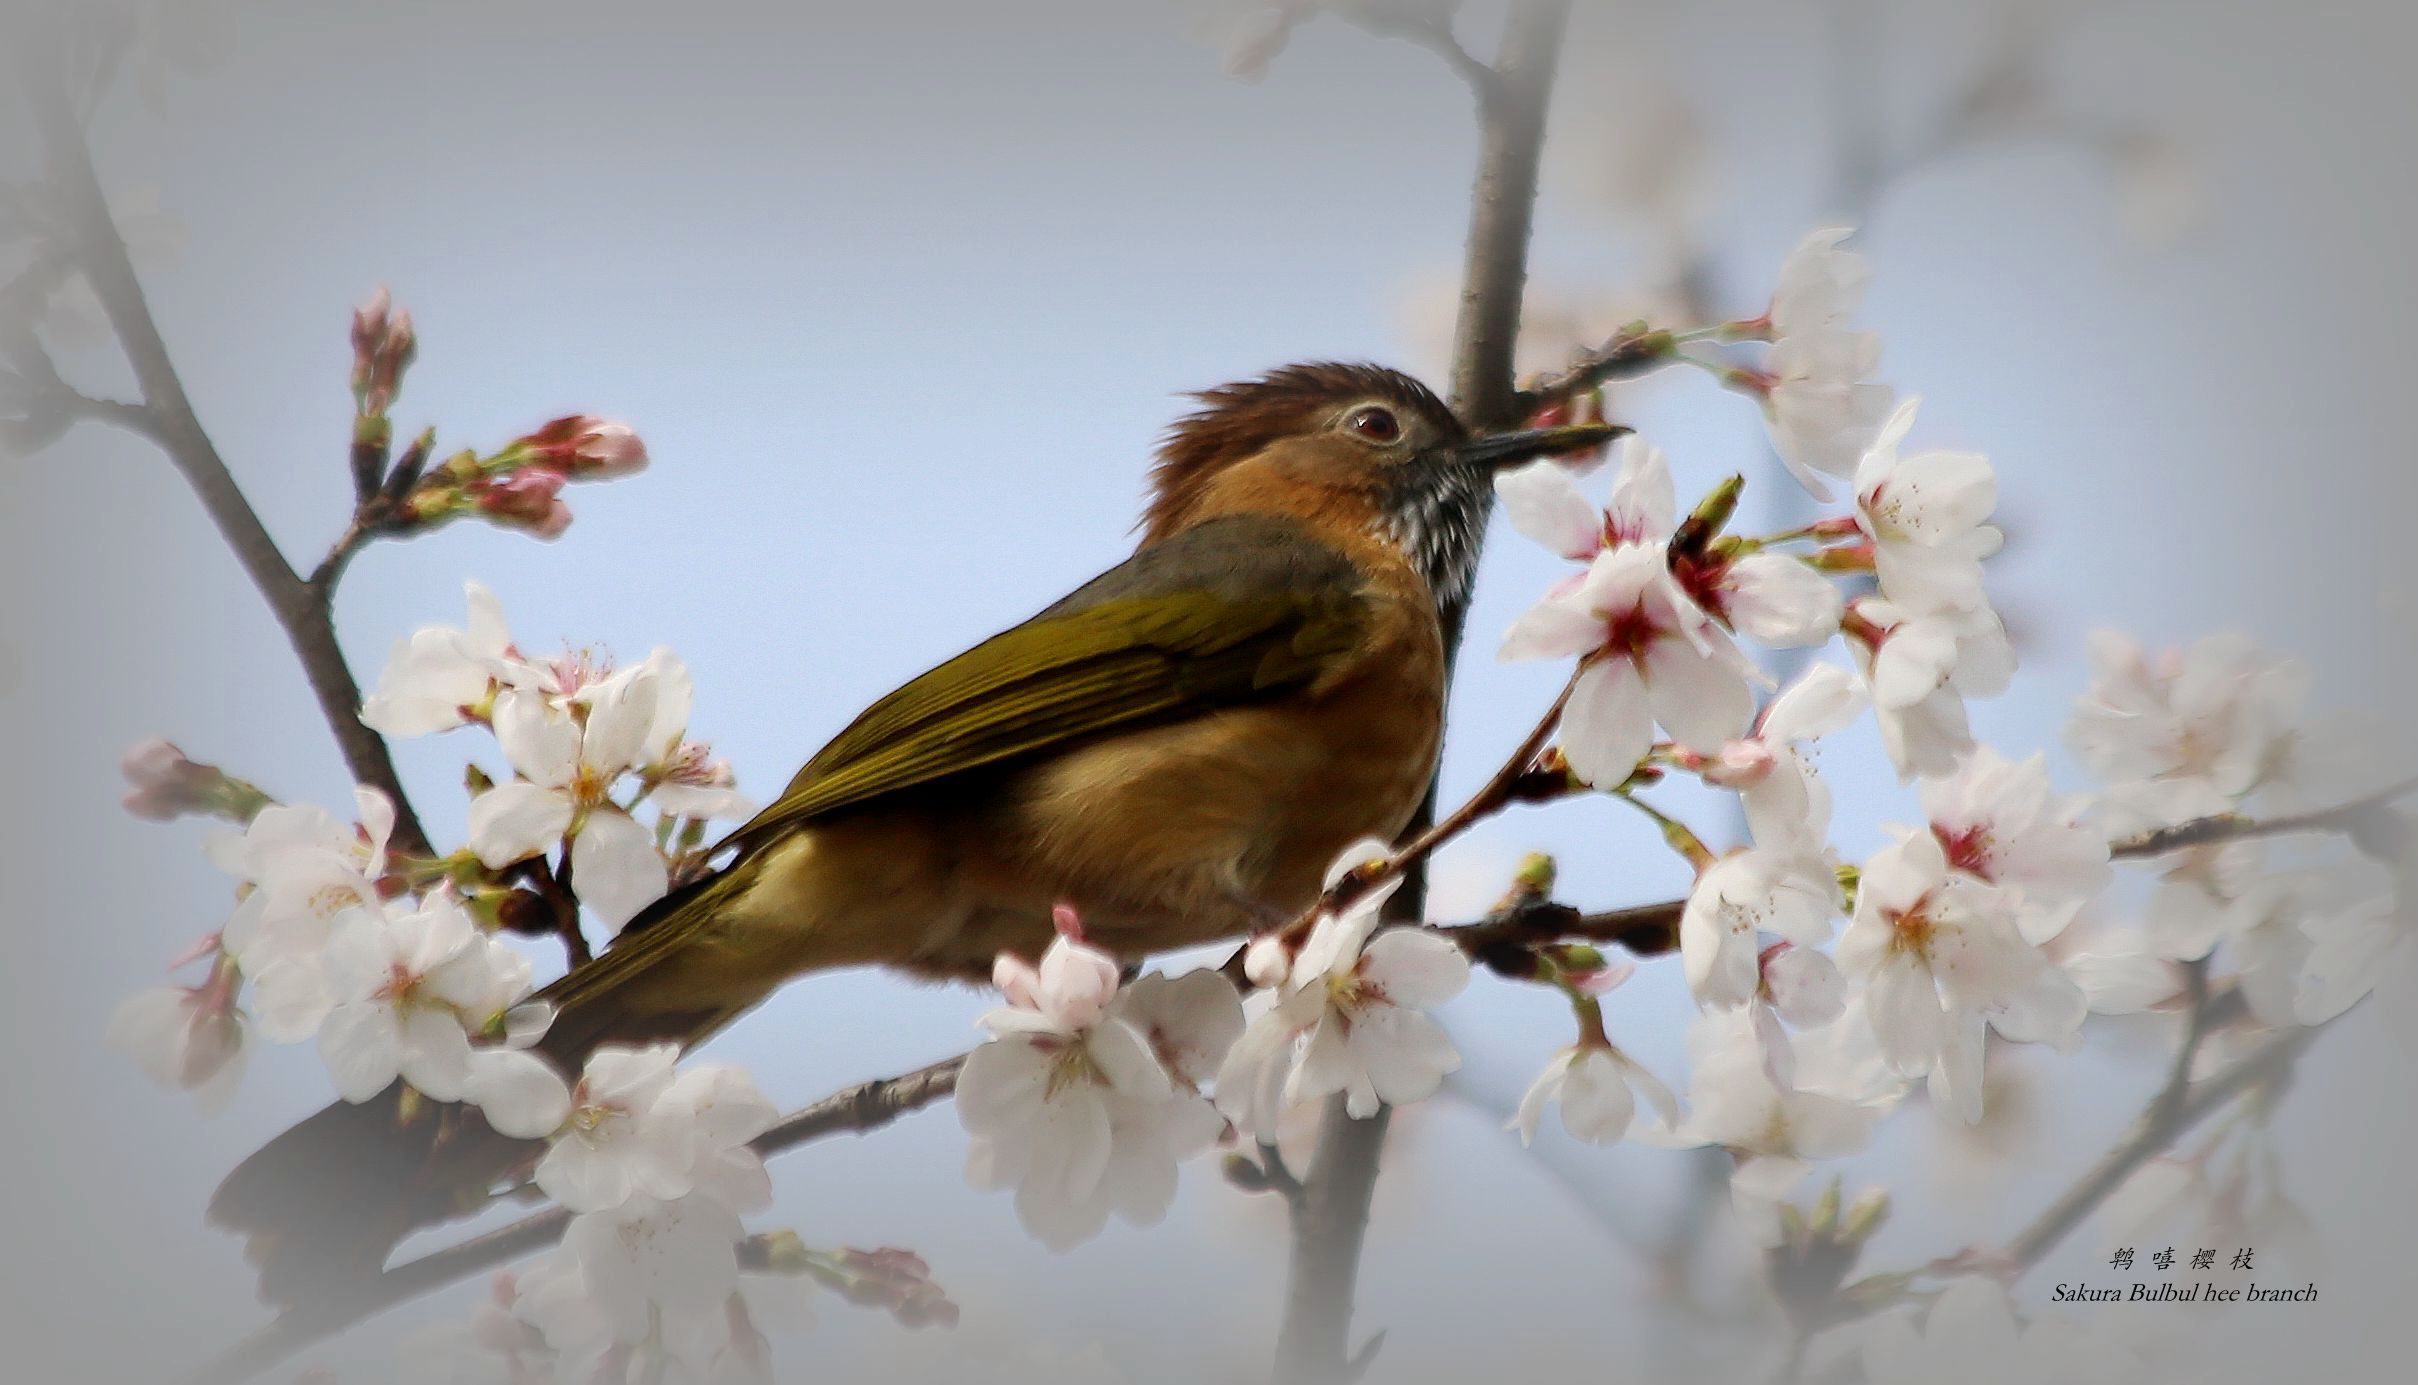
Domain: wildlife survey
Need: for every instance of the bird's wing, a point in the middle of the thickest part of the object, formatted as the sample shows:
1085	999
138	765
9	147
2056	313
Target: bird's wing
1226	613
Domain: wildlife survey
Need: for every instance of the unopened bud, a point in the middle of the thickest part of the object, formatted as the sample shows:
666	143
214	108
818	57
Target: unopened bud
164	785
1536	872
1740	764
785	1252
1865	1215
384	346
584	447
1585	965
369	331
529	499
1853	557
1709	518
1792	1225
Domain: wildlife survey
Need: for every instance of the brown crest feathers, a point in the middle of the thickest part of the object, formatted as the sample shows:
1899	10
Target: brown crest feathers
1238	420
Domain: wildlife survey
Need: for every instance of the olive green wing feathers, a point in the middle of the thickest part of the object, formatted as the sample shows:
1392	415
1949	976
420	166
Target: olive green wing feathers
1224	614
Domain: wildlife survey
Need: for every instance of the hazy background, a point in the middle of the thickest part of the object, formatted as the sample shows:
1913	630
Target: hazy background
900	298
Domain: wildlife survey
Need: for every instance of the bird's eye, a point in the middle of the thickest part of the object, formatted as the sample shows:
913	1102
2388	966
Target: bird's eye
1374	424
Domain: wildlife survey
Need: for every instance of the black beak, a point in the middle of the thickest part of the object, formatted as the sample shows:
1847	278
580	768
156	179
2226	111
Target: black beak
1500	450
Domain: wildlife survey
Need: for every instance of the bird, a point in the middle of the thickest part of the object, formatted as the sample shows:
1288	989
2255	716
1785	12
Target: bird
1177	750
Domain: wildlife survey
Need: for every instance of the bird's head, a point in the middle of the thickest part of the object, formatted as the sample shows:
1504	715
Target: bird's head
1355	445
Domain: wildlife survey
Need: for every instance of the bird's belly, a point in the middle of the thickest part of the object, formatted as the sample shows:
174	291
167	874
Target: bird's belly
1223	823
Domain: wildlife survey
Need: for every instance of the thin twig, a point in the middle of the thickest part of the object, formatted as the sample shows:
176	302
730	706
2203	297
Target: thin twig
1625	356
2165	1120
2195	1029
1432	30
166	415
1496	794
2220	827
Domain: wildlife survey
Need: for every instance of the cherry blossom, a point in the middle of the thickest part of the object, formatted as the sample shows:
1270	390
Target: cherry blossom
1936	948
1821	404
570	757
657	1166
1595	1087
2218	714
1800	986
1349	1016
1921	668
440	677
657	1269
188	1038
1924	517
1820	284
2353	951
1544	503
1085	1101
1651	654
1741	896
1785	801
1772	598
1998	820
410	987
305	871
1775	1130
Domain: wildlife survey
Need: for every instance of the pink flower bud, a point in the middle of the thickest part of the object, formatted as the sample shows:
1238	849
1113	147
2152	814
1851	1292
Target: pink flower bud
1069	924
164	784
589	448
1740	765
383	347
369	327
897	1280
530	499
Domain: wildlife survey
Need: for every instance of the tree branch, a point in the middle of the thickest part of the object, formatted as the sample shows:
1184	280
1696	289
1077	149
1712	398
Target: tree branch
865	1107
166	415
1330	1216
2168	1117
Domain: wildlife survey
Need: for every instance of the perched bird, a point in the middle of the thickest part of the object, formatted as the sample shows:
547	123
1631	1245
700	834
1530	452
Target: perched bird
1178	749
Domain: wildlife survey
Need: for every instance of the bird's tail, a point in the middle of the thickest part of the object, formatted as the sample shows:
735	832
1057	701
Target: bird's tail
323	1205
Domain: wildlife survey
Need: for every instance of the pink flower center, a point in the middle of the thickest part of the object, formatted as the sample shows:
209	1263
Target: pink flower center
1967	849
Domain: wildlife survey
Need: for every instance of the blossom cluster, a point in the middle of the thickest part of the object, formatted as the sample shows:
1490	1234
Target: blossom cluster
653	1163
394	965
1947	921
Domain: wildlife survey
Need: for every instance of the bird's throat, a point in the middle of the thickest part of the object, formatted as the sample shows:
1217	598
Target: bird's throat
1437	516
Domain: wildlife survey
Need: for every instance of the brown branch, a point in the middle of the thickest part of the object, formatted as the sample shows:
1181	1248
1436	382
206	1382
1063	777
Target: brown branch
1432	30
166	415
865	1107
2353	817
1626	356
1330	1216
2169	1116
